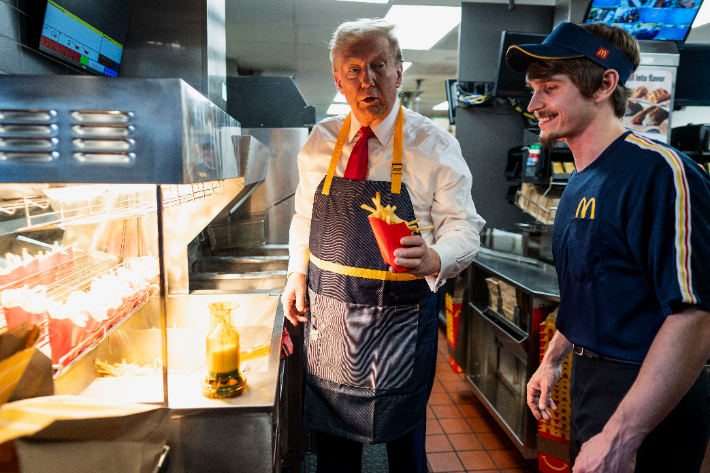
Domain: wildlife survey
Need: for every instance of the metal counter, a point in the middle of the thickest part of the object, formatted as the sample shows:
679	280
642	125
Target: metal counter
503	354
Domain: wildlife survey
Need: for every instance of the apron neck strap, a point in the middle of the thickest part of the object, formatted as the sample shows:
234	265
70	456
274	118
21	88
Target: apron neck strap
396	154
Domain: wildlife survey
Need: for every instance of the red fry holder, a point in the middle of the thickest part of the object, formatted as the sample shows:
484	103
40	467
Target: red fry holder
388	236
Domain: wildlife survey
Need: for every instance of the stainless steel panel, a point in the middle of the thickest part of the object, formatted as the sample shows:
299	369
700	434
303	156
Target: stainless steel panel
167	119
274	198
178	38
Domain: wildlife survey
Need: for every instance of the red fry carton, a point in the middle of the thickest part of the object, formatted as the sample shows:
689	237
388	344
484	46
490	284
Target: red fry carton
388	238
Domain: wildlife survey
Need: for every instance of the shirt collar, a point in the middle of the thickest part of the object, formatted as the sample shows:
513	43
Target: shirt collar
383	130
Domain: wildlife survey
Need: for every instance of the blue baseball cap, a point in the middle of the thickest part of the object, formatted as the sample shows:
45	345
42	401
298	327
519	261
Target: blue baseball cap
569	41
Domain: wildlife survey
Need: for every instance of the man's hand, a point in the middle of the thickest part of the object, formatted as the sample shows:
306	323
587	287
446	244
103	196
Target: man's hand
606	453
540	389
418	257
294	298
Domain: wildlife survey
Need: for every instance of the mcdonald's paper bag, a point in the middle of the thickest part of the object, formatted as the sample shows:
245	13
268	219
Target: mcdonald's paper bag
25	371
69	434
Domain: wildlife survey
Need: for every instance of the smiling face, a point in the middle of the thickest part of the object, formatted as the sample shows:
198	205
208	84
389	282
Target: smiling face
560	107
367	74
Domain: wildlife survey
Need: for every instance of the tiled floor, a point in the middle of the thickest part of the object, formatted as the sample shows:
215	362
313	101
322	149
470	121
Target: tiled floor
461	435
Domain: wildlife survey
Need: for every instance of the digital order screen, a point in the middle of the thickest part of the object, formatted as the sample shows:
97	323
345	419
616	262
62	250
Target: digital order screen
668	20
68	35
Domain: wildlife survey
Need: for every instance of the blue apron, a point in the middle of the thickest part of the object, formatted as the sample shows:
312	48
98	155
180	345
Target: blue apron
371	341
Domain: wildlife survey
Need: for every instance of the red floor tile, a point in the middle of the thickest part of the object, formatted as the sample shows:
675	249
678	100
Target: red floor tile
476	460
508	459
439	443
437	387
463	442
495	441
516	470
433	427
444	462
447	411
465	398
437	399
455	426
483	424
453	386
471	410
449	375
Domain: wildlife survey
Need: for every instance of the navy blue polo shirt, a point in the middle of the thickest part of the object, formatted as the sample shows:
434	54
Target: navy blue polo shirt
631	243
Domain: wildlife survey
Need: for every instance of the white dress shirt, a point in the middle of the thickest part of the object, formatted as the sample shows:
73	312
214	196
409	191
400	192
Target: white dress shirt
436	175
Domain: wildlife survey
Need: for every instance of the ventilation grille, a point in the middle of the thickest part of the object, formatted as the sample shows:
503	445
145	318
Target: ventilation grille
97	137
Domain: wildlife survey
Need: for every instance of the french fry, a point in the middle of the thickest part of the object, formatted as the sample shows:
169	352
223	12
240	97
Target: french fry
388	216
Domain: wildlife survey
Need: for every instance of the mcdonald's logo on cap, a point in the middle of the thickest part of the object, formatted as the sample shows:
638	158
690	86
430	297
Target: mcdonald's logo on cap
602	53
584	205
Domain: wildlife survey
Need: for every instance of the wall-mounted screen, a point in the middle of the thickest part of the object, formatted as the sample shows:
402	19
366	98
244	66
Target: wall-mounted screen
89	34
666	20
510	83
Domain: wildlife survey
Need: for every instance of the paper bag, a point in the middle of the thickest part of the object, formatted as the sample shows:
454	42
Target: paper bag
75	434
25	372
388	238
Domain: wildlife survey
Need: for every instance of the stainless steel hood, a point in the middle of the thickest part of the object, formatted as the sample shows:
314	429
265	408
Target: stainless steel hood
98	130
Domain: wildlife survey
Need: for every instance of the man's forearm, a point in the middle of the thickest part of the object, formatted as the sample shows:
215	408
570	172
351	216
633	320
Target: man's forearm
673	363
557	350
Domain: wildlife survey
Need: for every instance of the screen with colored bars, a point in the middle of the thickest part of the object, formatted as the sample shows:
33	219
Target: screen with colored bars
668	20
89	34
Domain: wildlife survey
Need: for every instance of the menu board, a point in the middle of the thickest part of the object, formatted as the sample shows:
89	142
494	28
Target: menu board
668	20
73	39
648	109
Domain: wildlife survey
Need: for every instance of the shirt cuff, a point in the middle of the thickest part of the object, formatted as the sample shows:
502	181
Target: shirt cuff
298	263
447	256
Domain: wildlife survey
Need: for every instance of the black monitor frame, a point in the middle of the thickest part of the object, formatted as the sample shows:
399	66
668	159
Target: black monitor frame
505	76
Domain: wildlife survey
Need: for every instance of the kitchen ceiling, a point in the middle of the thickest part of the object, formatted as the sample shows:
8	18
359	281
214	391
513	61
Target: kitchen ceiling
290	38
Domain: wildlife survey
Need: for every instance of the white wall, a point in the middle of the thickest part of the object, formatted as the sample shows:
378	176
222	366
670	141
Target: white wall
688	115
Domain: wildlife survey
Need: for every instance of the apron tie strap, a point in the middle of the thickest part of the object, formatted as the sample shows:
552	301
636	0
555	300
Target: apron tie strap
361	272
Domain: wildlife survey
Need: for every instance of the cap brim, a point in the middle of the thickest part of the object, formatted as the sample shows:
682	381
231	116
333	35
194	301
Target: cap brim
518	57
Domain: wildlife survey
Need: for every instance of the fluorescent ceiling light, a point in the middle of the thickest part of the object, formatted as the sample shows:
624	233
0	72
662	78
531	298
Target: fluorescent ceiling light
442	106
339	98
366	1
405	66
703	15
338	109
422	26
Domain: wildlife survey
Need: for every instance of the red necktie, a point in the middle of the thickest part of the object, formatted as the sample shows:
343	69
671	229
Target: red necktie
357	163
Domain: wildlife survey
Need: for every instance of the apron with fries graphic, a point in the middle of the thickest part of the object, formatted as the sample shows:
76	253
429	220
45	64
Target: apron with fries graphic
371	341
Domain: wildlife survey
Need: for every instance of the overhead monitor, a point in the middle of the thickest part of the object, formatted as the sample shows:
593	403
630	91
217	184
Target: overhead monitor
509	83
662	20
692	86
89	34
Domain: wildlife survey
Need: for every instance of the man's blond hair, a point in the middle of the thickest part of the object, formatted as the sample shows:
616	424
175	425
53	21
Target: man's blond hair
352	31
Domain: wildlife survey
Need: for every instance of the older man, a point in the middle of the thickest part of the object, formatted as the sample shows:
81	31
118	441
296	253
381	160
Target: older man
371	337
631	248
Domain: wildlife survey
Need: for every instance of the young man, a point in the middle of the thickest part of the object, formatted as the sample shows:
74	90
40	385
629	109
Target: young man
371	336
632	246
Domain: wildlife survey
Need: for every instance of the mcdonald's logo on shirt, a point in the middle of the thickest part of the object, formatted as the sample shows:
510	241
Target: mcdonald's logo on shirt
584	204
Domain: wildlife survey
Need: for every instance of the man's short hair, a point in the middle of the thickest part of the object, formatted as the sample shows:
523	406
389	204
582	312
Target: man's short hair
587	75
352	31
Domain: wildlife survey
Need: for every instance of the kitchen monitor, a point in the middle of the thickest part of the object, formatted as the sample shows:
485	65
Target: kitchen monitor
509	83
692	86
663	20
89	34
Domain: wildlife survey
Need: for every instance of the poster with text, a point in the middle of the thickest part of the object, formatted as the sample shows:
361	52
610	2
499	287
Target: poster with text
648	109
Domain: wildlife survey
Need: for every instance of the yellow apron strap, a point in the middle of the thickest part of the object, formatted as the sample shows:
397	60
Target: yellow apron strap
336	155
361	272
397	154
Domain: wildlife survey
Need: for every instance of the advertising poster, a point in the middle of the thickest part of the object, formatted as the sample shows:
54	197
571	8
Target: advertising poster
648	109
